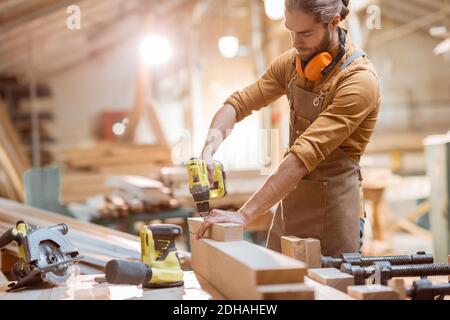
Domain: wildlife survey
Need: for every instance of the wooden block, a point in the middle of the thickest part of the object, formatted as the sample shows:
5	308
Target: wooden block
332	277
324	292
218	231
237	268
398	285
306	250
372	292
290	291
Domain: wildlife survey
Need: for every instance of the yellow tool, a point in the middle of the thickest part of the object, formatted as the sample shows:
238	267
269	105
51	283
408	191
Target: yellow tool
45	254
199	185
160	265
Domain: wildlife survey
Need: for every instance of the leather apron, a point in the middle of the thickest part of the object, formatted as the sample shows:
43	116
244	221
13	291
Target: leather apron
326	204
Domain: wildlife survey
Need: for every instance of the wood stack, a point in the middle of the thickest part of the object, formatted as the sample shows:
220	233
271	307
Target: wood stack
17	98
86	169
13	159
133	194
115	154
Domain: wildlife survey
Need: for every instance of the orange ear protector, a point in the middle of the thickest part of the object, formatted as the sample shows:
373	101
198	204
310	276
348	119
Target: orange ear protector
321	63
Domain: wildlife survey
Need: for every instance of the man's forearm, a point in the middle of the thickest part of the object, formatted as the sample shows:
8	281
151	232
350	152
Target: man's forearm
279	184
221	126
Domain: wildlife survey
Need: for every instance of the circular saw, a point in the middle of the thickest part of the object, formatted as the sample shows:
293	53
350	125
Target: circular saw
45	254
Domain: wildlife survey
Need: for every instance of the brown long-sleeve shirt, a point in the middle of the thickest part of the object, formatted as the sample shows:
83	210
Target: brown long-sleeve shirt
347	121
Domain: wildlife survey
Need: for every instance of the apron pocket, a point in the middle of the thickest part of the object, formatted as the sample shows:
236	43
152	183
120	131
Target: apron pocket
302	123
303	210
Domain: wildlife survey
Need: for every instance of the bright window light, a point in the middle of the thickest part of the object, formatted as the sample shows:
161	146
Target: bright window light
274	9
229	46
155	50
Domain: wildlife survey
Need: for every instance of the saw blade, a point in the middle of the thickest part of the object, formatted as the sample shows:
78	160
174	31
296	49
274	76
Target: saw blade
53	263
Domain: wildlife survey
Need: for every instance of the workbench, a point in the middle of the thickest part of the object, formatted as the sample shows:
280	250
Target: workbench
84	287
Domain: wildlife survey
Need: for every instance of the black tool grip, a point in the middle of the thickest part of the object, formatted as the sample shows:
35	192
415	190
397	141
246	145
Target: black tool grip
127	272
7	238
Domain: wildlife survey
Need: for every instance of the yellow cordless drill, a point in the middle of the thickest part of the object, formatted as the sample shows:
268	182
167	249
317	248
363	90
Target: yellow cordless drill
199	185
159	266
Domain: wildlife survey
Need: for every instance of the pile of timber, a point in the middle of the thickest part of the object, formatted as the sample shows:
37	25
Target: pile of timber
134	194
13	159
17	96
114	154
96	244
85	169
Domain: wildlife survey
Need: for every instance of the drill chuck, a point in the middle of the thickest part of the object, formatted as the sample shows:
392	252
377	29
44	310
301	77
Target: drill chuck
127	272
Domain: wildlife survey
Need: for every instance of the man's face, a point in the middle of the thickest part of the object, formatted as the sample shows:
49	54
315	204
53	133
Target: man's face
308	36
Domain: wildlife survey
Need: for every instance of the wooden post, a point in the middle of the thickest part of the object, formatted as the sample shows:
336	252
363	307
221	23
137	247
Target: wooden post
306	250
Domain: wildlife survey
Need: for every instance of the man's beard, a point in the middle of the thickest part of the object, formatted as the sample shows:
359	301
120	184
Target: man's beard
322	47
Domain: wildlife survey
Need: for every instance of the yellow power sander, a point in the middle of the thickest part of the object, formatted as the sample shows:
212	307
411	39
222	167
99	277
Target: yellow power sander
159	266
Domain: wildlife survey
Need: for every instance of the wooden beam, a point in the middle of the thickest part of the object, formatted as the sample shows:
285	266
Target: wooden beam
29	10
324	292
306	250
372	292
290	291
407	28
218	231
332	277
237	268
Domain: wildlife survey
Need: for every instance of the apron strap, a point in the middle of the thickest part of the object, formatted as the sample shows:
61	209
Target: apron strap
355	55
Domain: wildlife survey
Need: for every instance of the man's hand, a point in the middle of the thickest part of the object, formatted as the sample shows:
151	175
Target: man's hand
220	216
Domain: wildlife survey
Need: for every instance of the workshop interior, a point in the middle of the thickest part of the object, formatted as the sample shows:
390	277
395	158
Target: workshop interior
225	150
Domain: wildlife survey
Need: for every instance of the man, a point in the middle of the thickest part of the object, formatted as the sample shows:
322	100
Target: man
334	97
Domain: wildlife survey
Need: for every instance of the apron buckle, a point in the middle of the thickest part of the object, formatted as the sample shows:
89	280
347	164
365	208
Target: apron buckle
316	101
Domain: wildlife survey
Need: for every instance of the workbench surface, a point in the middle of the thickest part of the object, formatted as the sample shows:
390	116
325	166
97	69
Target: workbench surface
84	287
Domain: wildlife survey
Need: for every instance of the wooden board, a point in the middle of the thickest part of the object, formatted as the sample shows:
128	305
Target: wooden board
372	292
115	155
324	292
332	277
237	268
289	291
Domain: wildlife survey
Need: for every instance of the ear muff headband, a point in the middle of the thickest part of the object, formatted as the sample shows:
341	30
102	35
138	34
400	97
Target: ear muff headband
321	63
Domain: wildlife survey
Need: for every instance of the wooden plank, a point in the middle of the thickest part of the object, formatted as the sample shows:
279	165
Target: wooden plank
324	292
218	231
290	291
115	155
372	292
237	268
332	277
306	250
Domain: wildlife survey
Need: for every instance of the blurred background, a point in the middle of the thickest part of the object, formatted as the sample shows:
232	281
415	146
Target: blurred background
101	102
